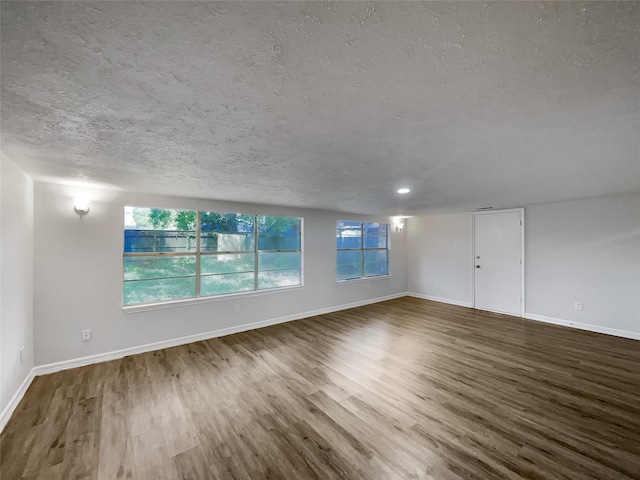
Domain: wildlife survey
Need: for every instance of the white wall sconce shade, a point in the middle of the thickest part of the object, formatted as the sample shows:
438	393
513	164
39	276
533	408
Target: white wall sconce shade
81	206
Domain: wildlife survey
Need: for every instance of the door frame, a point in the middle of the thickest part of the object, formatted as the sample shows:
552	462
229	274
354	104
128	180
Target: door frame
522	257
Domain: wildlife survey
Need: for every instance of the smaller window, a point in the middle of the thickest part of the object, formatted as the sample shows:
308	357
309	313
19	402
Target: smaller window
362	250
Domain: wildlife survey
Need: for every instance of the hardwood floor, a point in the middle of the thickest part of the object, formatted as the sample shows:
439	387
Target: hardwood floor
404	389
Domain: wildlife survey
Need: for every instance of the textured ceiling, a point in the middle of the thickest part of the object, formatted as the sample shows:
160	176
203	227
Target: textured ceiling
328	105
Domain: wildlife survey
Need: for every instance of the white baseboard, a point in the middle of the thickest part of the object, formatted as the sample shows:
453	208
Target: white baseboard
440	299
174	342
541	318
15	400
584	326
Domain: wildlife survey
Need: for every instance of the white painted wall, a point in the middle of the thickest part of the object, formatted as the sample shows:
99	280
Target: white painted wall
16	279
585	251
581	251
439	253
78	276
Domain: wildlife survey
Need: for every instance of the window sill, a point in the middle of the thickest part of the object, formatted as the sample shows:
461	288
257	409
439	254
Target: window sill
196	301
363	279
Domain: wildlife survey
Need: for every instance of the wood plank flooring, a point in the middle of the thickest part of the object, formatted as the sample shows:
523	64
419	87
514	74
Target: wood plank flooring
404	389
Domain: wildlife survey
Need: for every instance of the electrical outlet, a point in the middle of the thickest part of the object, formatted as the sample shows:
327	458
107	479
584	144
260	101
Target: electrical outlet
368	286
86	335
577	305
236	308
21	354
437	285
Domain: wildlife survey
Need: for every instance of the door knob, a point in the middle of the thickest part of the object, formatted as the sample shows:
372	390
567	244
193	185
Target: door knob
477	266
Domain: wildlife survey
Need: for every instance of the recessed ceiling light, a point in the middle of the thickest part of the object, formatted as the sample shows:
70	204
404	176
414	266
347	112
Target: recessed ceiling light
403	190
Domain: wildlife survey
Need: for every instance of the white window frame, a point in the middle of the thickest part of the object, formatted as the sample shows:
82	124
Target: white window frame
198	253
363	249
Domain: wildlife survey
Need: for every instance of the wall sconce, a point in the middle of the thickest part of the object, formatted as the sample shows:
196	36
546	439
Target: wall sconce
399	226
81	206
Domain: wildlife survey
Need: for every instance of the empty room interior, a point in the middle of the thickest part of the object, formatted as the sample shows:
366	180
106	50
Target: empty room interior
320	240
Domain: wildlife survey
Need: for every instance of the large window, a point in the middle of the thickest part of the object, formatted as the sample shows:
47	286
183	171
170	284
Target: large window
174	254
363	250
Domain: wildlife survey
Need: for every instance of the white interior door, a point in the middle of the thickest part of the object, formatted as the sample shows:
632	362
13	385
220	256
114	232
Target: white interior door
499	261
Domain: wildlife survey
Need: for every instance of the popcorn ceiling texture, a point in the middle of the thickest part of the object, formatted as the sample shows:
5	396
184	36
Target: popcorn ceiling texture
328	105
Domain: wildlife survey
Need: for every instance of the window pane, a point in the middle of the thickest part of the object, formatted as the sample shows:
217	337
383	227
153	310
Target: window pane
157	279
226	283
159	241
375	235
273	224
376	262
278	233
278	261
279	269
159	230
349	264
278	241
226	242
279	278
226	232
149	267
227	263
226	222
349	235
151	291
